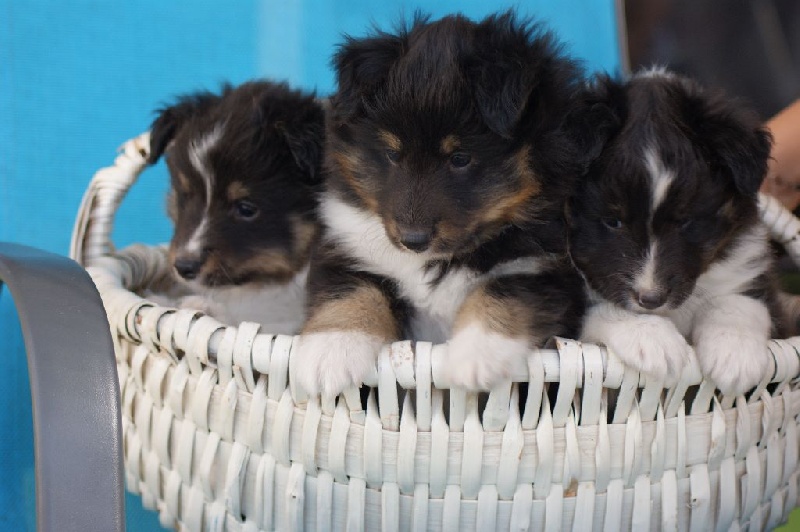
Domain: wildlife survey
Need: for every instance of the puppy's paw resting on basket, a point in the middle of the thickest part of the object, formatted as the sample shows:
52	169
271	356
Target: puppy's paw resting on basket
327	363
479	359
735	360
649	343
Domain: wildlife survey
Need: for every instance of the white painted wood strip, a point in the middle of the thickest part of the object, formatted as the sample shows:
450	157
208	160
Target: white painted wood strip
554	509
613	522
225	356
419	514
324	497
727	504
592	390
407	448
571	366
387	392
520	520
472	458
544	445
208	465
281	429
295	497
242	354
373	443
495	411
338	443
311	419
533	403
641	505
257	416
440	437
279	367
451	510
510	450
355	505
583	520
390	507
423	386
486	514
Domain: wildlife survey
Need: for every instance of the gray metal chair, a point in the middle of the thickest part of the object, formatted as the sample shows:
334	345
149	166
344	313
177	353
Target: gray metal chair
74	389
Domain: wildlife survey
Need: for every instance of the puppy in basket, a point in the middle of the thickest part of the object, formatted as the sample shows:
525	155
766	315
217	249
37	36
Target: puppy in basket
665	230
443	207
244	167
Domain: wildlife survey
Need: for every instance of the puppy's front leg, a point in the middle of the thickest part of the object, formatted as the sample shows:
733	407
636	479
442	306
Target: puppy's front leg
503	319
350	318
646	342
730	338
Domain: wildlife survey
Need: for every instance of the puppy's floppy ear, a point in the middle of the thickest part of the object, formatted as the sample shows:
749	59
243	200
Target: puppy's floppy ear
170	119
361	64
735	139
596	115
511	60
305	138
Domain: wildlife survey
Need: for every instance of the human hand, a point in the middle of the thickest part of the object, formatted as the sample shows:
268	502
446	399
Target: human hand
783	175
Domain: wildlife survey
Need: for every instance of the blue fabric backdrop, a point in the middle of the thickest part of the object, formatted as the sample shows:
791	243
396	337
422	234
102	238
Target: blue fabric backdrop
77	78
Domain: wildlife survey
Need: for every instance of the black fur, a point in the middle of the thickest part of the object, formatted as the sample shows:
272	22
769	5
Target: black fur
718	152
271	145
452	129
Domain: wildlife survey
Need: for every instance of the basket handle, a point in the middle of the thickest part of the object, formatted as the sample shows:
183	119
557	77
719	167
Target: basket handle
784	227
91	235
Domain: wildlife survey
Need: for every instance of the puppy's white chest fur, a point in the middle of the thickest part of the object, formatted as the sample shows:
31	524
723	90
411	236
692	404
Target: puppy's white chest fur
364	238
749	258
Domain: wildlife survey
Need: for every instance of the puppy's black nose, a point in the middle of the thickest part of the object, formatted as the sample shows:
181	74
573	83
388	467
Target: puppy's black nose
651	299
415	239
188	267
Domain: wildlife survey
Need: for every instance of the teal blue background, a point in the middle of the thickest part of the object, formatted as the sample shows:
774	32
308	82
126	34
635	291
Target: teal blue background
79	77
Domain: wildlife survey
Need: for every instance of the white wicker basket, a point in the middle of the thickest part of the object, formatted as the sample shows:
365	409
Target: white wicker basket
216	437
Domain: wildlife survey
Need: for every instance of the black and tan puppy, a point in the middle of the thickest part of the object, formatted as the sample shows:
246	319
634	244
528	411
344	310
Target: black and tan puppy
665	229
244	167
443	210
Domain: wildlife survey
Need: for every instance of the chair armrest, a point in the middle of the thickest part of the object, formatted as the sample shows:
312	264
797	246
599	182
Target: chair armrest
74	389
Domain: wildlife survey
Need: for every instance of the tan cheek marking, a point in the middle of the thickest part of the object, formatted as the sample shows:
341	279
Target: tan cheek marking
511	207
364	309
237	191
270	262
305	234
347	162
505	316
449	144
392	141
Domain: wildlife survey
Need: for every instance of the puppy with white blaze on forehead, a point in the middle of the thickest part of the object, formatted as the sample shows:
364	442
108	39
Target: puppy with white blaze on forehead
443	209
245	168
664	228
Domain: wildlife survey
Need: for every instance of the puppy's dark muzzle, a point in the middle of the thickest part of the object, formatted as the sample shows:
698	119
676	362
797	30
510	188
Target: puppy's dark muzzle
417	240
188	267
651	299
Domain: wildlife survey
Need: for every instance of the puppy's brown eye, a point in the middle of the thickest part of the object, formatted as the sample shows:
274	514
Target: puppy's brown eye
460	159
686	225
392	155
612	223
245	210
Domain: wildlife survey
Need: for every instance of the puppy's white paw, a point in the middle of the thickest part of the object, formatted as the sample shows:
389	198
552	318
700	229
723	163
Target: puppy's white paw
736	360
326	363
202	303
650	344
479	359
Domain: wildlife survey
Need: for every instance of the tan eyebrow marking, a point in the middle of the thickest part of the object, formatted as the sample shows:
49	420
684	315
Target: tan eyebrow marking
392	141
237	190
450	144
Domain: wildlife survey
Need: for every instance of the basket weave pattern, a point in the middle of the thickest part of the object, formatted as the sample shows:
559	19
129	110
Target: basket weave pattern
216	436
